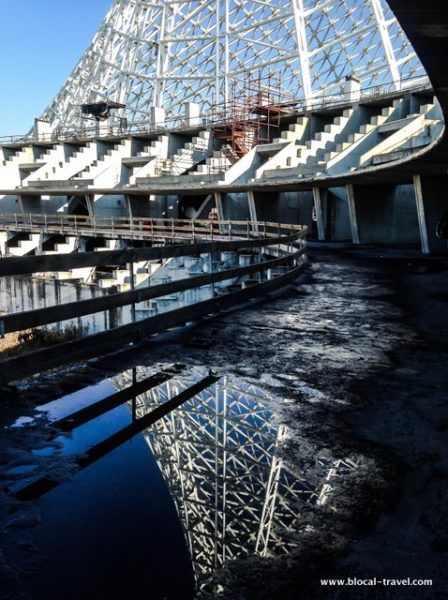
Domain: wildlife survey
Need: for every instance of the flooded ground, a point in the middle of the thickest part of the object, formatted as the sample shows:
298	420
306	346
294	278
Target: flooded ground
320	451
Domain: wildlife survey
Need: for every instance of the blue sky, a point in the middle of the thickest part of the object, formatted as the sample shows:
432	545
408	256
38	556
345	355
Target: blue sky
40	43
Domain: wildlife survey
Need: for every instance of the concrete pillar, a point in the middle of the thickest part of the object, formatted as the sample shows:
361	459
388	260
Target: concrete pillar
421	214
129	205
102	127
42	129
352	213
252	210
352	89
218	203
192	114
89	203
157	116
21	204
4	237
431	197
317	197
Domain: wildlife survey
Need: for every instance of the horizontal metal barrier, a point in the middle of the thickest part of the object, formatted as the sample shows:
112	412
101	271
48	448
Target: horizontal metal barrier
284	248
71	310
19	367
238	235
143	226
213	118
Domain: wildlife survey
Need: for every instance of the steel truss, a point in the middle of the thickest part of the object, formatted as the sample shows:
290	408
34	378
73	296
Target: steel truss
219	455
164	53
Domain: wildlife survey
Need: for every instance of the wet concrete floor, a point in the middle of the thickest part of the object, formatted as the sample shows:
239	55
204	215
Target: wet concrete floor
355	353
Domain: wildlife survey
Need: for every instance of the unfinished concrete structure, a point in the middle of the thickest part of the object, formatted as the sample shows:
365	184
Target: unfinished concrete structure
295	111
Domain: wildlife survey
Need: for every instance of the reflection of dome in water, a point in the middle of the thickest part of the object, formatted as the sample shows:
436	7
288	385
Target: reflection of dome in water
218	453
163	54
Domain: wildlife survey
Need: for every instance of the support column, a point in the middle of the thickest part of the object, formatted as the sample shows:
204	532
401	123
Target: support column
252	210
129	206
218	203
197	214
89	203
421	214
317	196
352	213
132	282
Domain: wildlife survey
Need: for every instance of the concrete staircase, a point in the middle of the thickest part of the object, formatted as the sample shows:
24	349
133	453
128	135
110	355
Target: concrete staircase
157	150
23	244
58	168
346	154
188	156
335	150
106	171
66	247
214	165
9	166
410	135
296	132
305	152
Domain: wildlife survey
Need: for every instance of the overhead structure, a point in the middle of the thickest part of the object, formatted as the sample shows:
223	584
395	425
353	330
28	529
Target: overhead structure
164	53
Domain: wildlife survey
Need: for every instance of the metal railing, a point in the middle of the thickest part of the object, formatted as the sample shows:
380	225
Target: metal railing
143	227
276	253
213	118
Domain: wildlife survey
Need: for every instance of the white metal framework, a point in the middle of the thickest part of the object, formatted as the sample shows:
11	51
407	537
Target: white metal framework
219	455
166	52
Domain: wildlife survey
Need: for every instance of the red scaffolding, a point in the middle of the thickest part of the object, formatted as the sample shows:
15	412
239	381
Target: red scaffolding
251	116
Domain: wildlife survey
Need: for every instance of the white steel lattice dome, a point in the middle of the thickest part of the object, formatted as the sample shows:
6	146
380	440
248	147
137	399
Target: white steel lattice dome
163	53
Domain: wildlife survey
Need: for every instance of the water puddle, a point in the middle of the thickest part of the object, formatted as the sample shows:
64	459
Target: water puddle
205	483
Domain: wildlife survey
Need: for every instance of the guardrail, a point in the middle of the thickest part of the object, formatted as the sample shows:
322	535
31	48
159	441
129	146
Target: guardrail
213	118
289	258
141	227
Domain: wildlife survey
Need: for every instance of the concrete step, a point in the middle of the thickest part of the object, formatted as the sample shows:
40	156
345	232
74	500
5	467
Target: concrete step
63	275
378	119
106	282
426	108
83	273
387	111
366	128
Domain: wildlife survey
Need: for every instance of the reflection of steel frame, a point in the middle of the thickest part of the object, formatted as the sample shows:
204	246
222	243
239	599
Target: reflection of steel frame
166	53
219	456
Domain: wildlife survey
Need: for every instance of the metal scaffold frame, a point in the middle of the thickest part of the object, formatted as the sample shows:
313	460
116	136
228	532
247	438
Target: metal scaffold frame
251	116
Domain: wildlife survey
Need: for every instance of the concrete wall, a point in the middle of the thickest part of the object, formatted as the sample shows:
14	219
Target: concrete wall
336	219
285	207
9	204
42	204
149	206
235	206
110	205
386	214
